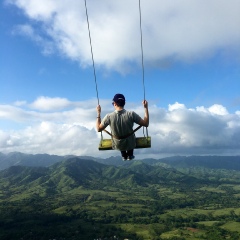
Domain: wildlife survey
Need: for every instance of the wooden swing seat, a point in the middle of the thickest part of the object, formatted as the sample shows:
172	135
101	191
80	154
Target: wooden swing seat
141	142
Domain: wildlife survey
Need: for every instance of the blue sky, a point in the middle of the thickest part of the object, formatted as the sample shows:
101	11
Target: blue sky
191	62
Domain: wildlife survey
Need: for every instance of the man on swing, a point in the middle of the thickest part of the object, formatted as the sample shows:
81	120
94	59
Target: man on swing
121	123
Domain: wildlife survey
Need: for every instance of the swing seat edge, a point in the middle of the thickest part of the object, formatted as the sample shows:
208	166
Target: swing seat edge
141	142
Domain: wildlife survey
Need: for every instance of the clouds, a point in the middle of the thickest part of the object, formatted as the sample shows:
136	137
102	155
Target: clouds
179	32
185	30
51	138
71	130
46	103
198	131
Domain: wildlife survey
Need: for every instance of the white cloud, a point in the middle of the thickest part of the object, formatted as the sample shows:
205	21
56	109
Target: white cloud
48	137
177	130
9	112
181	30
20	103
218	109
48	104
175	106
214	109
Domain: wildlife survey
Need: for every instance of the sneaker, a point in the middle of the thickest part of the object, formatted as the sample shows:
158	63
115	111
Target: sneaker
124	159
130	158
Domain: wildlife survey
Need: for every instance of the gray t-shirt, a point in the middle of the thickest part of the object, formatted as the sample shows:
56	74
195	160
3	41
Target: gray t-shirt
121	124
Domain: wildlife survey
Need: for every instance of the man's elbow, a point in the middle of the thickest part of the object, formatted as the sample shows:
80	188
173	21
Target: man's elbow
146	124
98	129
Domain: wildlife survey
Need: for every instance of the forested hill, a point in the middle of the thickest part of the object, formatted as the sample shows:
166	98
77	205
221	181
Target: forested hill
82	198
75	172
178	162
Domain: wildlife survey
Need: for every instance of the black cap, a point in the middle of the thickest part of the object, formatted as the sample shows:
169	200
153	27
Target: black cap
119	99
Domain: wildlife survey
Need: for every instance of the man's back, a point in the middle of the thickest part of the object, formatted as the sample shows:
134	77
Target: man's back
121	124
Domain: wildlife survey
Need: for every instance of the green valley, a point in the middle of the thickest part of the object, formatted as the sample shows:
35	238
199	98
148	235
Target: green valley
79	198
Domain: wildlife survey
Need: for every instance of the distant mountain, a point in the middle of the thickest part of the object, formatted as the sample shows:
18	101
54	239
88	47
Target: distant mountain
115	161
177	162
32	160
212	162
76	172
17	158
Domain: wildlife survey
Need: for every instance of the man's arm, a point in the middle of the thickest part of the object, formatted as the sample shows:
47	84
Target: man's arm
145	122
99	126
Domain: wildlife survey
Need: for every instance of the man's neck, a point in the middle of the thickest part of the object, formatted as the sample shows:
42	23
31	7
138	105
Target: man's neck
119	108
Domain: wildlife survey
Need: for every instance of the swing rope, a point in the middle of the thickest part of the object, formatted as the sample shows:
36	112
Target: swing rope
90	40
140	20
143	80
93	64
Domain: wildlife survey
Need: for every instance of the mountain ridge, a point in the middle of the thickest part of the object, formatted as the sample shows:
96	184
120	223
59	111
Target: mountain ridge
76	172
177	162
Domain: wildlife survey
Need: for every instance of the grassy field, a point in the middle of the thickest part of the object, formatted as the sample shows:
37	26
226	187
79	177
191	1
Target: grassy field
169	210
232	226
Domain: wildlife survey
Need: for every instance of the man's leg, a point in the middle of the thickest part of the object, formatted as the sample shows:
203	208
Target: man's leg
130	154
124	155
